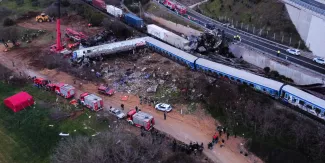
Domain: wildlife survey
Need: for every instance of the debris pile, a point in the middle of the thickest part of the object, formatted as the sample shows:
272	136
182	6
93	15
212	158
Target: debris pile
206	42
103	37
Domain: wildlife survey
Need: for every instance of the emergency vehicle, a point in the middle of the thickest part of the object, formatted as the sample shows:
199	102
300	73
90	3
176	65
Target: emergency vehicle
140	119
91	101
64	90
40	81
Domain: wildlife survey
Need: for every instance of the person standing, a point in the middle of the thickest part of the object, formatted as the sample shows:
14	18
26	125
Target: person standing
228	135
278	53
136	109
165	115
122	106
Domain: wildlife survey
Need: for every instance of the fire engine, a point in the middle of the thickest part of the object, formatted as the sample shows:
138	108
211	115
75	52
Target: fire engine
40	81
91	101
106	90
180	9
140	119
64	90
74	35
170	4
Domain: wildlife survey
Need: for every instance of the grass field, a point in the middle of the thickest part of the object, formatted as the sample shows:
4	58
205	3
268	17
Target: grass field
27	137
269	15
27	6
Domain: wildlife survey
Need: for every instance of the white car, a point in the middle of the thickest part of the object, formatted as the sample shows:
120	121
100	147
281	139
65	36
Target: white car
117	113
293	51
163	107
319	60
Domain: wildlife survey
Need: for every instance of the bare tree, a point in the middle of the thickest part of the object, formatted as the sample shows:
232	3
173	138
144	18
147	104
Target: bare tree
112	147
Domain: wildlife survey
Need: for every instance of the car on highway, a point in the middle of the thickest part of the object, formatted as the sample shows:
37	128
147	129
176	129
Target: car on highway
117	113
210	26
163	107
293	51
319	60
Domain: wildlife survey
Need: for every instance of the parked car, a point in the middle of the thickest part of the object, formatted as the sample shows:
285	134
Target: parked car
163	107
117	113
319	60
293	51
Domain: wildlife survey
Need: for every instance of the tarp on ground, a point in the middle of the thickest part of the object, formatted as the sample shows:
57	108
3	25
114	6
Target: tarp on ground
19	101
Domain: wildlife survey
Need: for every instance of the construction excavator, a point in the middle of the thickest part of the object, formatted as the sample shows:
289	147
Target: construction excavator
43	18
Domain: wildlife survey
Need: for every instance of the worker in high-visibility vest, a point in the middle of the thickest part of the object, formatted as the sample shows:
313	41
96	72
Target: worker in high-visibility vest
278	53
238	37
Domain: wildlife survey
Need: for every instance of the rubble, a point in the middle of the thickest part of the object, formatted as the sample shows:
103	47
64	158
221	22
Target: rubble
152	89
208	41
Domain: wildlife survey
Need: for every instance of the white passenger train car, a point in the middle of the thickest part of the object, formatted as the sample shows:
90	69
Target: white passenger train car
108	48
174	53
265	85
303	100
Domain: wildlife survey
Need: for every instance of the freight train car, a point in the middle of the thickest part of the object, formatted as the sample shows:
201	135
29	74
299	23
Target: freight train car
167	36
133	21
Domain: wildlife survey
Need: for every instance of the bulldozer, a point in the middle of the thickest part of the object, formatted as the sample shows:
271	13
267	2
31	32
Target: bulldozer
43	18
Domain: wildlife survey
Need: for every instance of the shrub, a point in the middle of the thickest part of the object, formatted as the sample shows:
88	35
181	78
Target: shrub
8	22
267	69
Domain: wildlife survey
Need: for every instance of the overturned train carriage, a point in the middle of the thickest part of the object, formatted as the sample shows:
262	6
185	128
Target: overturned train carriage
172	52
106	49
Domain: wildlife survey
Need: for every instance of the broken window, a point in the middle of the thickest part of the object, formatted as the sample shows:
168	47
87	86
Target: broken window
301	102
252	85
232	78
238	81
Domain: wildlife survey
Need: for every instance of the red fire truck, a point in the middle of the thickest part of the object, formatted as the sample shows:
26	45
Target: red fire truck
106	90
170	4
180	9
64	90
91	101
140	119
40	82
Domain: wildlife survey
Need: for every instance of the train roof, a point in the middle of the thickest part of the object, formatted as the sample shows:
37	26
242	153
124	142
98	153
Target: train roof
240	74
304	95
171	49
157	28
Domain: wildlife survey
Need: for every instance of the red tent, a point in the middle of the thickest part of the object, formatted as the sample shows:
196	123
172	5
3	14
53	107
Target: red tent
19	101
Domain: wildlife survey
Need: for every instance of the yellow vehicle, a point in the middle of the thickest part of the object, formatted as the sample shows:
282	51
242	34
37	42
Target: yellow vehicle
42	18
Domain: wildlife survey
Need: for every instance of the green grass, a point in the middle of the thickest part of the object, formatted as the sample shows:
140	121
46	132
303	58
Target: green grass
26	135
162	12
27	6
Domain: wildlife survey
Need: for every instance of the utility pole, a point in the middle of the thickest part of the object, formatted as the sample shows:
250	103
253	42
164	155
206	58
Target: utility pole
58	30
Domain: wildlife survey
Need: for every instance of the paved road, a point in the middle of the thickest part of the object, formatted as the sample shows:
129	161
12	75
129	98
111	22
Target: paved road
262	44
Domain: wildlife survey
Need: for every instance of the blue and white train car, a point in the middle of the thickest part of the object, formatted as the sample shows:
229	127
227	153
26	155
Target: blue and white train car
303	100
262	84
172	52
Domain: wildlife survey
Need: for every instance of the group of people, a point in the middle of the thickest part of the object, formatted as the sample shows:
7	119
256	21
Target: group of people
188	148
217	135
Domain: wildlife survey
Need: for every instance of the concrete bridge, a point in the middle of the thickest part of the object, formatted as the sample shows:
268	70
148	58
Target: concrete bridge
308	16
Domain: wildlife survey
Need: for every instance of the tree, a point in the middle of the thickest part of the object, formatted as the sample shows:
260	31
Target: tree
9	33
8	22
267	70
109	147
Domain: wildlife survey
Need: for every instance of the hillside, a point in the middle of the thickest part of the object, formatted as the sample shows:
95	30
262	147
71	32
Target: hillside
268	15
